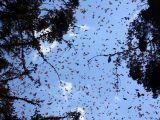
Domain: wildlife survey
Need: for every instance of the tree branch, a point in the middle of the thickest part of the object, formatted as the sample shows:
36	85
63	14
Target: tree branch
19	98
42	56
107	55
16	44
5	81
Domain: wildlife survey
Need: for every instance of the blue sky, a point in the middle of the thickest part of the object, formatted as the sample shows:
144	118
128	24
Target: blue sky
90	90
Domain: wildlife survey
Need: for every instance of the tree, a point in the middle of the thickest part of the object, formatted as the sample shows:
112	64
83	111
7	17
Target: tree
71	115
144	62
21	23
22	30
143	53
6	108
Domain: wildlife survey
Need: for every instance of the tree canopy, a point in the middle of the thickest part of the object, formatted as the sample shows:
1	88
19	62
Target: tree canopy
24	25
142	55
144	46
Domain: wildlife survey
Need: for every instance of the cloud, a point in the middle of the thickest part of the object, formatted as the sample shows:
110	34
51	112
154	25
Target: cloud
71	34
81	110
46	48
66	87
43	31
84	27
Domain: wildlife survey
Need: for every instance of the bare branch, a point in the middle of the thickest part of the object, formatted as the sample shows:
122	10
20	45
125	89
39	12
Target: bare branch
33	102
42	56
107	55
5	81
16	44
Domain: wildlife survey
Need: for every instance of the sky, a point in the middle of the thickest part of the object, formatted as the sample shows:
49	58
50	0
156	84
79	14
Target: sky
90	89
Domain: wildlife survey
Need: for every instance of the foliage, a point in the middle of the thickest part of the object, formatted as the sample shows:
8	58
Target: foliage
6	108
144	60
27	24
143	53
23	25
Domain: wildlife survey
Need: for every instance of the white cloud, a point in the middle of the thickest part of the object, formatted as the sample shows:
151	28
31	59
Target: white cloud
43	31
46	48
84	27
81	110
66	87
71	34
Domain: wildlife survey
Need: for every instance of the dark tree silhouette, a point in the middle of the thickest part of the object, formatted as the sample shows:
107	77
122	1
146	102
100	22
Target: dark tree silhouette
6	108
22	30
144	61
71	115
143	53
21	19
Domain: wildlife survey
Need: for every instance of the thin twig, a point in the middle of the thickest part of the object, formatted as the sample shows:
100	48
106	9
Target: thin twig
107	55
42	56
70	45
44	59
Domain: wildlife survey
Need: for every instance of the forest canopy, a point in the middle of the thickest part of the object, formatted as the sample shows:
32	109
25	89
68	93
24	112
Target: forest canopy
142	55
26	25
144	46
